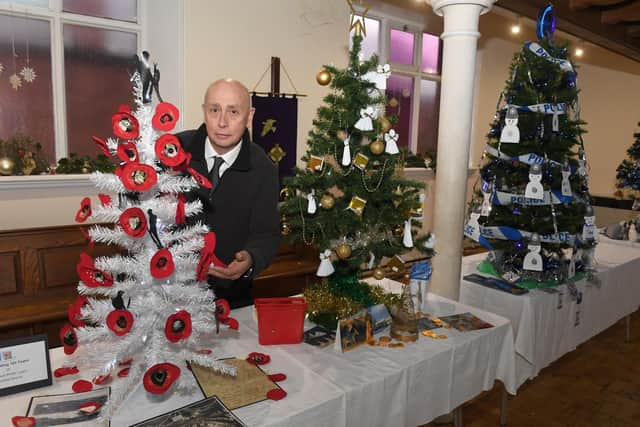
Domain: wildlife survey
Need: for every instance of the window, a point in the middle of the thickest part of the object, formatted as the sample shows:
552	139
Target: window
413	89
81	52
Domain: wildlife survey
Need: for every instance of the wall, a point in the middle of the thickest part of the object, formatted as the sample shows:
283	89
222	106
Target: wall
609	86
239	40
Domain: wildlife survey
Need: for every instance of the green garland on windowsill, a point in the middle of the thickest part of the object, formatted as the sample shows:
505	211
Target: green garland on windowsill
75	164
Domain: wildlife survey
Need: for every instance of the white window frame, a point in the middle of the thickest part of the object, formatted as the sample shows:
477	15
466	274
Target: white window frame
57	18
387	23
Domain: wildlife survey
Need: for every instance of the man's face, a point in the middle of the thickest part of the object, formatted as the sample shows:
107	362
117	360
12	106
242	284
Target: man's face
226	114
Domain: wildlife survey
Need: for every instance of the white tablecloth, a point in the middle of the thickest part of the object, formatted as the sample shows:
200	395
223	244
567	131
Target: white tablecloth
543	333
368	386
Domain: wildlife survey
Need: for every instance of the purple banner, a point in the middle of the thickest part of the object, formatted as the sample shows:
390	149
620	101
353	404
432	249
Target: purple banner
275	129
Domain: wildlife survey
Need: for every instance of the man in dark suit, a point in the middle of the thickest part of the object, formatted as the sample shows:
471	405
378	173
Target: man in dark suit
241	208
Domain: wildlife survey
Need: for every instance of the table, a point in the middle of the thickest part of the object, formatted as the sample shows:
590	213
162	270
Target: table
368	386
543	332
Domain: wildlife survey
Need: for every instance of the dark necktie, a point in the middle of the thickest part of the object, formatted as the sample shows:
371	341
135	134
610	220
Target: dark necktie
214	174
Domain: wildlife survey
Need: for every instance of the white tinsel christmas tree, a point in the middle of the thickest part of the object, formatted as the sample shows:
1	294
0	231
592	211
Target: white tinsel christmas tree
141	315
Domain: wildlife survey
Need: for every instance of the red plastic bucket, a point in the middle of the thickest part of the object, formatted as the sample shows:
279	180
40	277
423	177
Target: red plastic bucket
280	320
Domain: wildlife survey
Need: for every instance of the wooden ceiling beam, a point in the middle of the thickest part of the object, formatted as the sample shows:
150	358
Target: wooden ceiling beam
583	4
627	13
633	31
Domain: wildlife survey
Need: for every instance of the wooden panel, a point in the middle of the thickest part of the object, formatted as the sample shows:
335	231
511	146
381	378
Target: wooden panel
9	273
627	13
58	266
583	4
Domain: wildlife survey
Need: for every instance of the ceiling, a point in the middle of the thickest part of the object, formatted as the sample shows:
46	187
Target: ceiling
612	24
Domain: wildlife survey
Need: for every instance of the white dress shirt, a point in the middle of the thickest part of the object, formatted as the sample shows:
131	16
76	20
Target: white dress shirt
229	157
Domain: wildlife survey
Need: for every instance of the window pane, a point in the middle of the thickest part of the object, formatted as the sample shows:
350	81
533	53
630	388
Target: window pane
401	47
371	41
38	3
400	88
29	109
97	64
122	10
430	53
428	124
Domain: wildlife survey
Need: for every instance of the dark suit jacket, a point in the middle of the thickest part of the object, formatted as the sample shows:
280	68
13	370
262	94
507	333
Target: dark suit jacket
243	210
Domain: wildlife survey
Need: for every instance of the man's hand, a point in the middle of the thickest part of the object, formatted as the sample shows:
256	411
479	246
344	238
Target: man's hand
235	269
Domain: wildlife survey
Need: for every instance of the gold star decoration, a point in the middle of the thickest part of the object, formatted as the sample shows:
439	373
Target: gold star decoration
28	74
277	153
357	22
1	68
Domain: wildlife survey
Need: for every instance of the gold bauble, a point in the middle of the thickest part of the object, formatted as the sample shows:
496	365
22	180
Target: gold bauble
285	193
323	77
398	231
393	102
385	124
327	201
7	166
343	251
378	273
376	147
285	229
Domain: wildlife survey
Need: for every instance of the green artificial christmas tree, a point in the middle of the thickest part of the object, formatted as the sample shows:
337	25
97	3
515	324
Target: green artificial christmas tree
628	172
532	209
350	202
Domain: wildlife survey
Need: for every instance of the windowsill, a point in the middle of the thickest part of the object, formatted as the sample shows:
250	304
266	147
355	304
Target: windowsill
39	182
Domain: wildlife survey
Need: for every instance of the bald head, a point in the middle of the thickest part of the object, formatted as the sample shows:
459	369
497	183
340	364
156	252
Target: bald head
229	84
227	113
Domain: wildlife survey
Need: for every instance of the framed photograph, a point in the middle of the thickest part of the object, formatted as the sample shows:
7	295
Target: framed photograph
355	330
465	322
319	336
62	410
24	364
204	413
380	317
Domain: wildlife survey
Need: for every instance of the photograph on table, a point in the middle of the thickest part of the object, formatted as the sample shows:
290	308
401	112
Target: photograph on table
355	330
319	336
209	412
70	409
426	324
250	384
465	322
380	317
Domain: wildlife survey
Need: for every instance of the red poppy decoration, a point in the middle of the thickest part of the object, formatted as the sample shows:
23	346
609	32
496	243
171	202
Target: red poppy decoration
90	275
82	386
181	217
85	210
231	323
120	322
125	362
185	163
178	326
277	377
75	310
133	222
222	309
159	378
125	125
123	373
90	407
169	150
204	351
68	338
128	152
165	117
105	199
101	379
162	264
201	180
276	394
90	242
208	256
62	372
102	145
256	358
137	176
23	421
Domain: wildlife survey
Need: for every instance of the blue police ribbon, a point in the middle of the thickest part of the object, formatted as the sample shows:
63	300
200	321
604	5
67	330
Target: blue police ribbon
421	271
534	47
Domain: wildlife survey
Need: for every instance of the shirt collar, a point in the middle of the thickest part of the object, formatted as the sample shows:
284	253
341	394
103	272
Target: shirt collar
229	157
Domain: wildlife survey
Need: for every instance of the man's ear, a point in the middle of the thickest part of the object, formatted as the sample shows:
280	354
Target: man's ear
250	118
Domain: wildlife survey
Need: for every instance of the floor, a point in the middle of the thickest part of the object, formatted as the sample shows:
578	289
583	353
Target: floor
597	385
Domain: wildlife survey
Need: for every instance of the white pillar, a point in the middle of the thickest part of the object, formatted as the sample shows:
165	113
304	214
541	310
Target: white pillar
460	38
